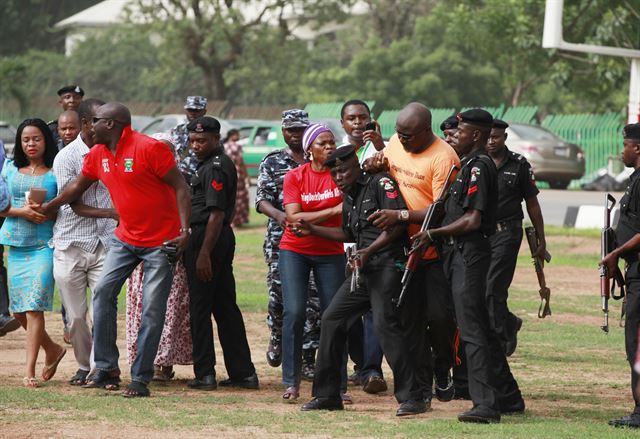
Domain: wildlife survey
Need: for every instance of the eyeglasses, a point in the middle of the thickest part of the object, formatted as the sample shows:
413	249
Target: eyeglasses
96	119
409	137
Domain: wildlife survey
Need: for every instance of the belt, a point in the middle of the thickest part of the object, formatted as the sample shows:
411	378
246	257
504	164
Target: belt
453	240
502	226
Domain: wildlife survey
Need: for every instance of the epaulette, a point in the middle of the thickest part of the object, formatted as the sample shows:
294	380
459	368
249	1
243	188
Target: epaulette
216	161
518	157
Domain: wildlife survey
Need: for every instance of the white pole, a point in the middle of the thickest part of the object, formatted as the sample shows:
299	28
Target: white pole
633	115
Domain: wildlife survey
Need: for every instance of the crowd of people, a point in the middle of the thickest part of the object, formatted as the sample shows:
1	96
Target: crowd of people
90	203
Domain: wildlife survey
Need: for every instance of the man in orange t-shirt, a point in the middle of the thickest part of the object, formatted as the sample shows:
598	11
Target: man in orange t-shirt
420	162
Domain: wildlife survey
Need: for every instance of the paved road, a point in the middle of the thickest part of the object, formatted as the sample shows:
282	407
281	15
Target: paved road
554	203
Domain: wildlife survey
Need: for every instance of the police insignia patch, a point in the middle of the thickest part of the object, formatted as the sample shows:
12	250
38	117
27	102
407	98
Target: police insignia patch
475	172
387	184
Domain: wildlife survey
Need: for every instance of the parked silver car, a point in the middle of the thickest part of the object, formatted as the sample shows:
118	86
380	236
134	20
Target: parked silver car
553	160
165	122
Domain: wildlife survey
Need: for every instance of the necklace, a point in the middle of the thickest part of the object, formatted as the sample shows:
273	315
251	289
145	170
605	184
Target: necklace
33	169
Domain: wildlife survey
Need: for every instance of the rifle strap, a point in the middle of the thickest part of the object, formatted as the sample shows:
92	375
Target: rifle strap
619	280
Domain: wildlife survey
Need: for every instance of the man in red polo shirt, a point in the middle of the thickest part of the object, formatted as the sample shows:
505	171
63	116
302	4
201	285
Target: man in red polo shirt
153	202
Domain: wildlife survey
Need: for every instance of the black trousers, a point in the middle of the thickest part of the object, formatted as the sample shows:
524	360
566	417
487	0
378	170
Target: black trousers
217	297
4	292
379	285
504	254
429	321
491	383
632	323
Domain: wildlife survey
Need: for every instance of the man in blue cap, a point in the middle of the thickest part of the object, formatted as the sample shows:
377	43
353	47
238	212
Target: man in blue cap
194	107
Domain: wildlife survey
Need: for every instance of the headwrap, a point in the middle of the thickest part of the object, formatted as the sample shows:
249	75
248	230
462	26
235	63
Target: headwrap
310	134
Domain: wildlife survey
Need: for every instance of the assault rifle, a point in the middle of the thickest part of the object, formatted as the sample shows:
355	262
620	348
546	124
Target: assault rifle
607	244
545	293
433	218
354	260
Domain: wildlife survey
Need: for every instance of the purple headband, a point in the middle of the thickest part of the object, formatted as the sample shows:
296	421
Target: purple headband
310	134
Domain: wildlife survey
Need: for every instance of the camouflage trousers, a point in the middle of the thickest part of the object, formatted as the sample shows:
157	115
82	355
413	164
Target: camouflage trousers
274	319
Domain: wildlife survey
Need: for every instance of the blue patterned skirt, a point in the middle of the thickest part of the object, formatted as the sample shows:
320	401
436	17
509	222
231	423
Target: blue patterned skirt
30	274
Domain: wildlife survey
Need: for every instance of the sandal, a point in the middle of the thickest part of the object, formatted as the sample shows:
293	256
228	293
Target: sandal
80	378
163	373
136	390
101	379
346	399
50	370
30	382
291	394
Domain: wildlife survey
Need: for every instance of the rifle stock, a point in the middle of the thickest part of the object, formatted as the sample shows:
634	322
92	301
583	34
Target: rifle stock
433	218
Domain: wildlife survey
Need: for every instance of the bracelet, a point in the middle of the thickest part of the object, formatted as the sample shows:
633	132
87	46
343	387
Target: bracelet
429	235
183	230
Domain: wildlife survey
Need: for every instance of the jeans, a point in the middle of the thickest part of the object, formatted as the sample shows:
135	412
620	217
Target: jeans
295	268
120	262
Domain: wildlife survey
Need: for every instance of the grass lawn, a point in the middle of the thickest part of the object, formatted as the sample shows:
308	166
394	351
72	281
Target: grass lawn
573	377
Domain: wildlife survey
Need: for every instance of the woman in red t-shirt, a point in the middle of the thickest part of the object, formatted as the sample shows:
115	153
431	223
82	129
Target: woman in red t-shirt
310	195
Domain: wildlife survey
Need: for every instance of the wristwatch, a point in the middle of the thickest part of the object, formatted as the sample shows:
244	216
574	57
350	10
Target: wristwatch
188	230
404	216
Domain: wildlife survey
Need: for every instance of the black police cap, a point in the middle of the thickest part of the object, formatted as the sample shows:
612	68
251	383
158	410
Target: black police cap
71	89
476	116
341	154
632	131
500	124
204	124
449	123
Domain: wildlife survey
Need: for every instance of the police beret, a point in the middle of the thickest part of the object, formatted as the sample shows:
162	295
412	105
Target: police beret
500	124
295	118
449	123
71	89
476	116
632	131
341	154
204	124
195	103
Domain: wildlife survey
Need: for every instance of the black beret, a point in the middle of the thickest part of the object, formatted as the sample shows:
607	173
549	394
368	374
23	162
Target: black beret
632	131
341	154
204	124
449	123
71	89
476	116
500	124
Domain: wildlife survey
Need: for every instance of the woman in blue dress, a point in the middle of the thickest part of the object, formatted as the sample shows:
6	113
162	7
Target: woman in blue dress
26	233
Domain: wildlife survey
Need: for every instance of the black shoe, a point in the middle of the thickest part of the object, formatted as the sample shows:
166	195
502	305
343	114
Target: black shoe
250	382
207	382
80	378
102	379
461	393
631	421
412	407
480	415
512	341
375	384
512	409
274	352
323	404
444	387
8	324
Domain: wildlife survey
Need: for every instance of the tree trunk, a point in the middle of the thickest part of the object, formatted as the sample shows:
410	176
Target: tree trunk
517	93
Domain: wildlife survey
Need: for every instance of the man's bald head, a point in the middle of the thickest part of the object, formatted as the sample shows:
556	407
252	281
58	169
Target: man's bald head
109	123
115	111
413	126
68	126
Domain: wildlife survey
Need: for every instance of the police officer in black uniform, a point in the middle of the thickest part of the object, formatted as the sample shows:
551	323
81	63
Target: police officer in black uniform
381	259
628	238
208	262
70	98
516	182
469	220
449	128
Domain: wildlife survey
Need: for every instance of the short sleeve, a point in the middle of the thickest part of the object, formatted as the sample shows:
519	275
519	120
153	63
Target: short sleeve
478	187
216	187
527	182
388	195
63	170
89	167
291	189
266	189
159	158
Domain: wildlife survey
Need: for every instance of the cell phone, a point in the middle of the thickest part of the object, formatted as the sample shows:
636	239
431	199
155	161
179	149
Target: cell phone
37	194
370	126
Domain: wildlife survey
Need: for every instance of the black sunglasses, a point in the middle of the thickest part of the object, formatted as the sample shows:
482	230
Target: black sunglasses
96	119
